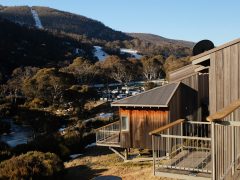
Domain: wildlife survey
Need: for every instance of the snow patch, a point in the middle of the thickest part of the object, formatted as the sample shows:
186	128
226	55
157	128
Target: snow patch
133	52
105	115
99	53
37	20
73	156
90	145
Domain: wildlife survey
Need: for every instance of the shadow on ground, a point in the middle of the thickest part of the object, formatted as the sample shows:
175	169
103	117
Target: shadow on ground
82	172
97	151
107	178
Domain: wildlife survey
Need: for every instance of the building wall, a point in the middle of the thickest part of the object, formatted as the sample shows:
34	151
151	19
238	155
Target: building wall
224	85
142	121
200	83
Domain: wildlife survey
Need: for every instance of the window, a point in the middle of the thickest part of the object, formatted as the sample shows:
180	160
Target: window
124	123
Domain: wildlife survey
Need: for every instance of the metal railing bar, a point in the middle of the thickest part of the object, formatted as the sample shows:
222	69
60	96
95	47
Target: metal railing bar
186	137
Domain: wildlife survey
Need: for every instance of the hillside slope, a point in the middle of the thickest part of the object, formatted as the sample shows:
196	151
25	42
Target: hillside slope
95	32
24	46
161	41
18	14
63	21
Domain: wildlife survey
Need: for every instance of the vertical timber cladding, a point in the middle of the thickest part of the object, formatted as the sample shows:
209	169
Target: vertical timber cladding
142	121
199	82
197	96
224	85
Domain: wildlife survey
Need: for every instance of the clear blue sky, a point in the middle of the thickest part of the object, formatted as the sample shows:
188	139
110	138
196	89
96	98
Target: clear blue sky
193	20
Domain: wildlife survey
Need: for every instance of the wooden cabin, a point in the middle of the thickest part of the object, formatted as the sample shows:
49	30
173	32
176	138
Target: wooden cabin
147	111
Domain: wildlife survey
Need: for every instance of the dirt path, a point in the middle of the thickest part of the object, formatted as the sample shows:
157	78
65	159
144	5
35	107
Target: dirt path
99	161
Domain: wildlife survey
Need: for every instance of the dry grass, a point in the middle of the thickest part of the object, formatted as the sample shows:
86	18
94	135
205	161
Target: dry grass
99	161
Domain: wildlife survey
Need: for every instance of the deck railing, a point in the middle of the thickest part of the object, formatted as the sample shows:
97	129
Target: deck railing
108	135
182	145
226	142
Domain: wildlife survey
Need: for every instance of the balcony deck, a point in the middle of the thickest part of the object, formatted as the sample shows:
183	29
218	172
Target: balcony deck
112	141
183	149
108	135
193	164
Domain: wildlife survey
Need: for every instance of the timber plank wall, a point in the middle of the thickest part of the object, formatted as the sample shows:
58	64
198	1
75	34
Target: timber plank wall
142	121
224	85
199	82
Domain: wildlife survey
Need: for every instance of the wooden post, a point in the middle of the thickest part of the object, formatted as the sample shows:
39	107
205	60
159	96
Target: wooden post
181	131
233	145
168	143
126	153
213	150
154	155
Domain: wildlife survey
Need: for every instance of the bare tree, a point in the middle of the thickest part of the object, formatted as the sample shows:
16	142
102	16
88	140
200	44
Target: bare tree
152	68
83	70
117	69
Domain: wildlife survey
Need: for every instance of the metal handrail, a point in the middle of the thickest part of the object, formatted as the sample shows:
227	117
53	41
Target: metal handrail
224	112
167	126
107	125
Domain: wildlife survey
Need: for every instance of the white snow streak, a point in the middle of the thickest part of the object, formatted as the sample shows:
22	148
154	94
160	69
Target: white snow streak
37	20
90	145
134	53
99	53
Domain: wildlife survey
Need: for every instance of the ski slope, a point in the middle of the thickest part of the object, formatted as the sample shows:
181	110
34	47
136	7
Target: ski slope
99	53
134	53
37	20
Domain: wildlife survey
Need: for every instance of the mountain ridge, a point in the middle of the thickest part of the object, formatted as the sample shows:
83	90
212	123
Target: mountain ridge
160	40
78	24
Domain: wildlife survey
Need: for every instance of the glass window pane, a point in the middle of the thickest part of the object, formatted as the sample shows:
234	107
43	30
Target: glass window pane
124	123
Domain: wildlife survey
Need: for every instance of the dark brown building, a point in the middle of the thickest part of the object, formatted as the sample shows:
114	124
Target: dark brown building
147	111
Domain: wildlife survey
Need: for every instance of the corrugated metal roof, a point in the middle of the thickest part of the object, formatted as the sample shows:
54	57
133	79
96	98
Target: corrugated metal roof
157	97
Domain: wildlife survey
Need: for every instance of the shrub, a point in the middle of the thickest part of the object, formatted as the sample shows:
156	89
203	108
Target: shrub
149	85
45	143
4	127
50	143
5	151
73	137
32	165
37	103
88	138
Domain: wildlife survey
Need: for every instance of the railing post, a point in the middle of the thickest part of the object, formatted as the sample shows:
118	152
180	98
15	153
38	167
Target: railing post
181	131
233	145
154	155
168	144
213	150
96	136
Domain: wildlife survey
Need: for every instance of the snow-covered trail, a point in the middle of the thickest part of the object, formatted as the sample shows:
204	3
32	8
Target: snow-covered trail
99	53
133	52
37	20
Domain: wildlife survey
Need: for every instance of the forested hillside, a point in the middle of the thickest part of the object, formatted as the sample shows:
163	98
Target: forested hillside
161	41
63	21
96	33
26	46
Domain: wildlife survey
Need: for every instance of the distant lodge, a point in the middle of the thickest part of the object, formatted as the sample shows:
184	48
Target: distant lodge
192	122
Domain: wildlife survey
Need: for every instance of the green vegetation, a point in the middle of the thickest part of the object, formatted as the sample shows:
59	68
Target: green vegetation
5	152
149	85
25	46
32	165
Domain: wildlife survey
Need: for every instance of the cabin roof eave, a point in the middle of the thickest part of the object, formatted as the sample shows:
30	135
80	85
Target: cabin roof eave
139	105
